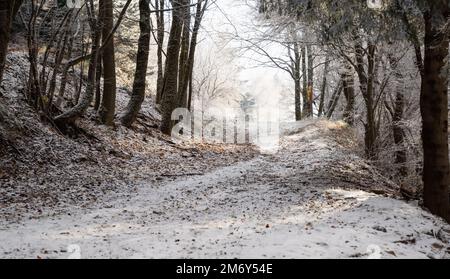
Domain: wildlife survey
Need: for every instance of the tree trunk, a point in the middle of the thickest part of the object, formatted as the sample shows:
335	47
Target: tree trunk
349	93
186	98
170	88
108	107
98	84
310	81
184	55
334	99
324	87
7	12
159	4
434	109
297	82
397	117
140	76
305	84
86	99
366	86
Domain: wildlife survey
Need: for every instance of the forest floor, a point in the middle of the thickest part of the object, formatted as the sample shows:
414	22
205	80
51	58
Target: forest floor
314	198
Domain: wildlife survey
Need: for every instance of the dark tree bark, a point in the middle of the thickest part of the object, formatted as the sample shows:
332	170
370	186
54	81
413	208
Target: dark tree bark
349	93
170	89
310	80
8	10
434	109
366	80
98	84
297	81
323	92
108	106
86	98
305	112
187	85
159	5
397	117
184	54
186	98
335	98
96	50
140	76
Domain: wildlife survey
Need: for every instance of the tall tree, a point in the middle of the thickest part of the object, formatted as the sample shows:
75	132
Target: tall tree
184	54
186	97
140	76
297	81
108	106
170	89
306	112
160	30
310	100
434	109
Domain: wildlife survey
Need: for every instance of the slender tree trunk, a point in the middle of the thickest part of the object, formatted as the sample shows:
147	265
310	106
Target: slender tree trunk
349	93
297	82
310	80
305	112
366	86
434	109
397	117
170	89
108	107
324	87
140	76
65	73
334	99
186	97
160	35
86	99
98	84
184	55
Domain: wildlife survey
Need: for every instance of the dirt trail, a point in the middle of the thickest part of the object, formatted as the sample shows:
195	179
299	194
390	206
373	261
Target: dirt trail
311	199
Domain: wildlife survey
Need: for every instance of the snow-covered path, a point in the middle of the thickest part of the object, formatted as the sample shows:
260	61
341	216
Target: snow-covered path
308	200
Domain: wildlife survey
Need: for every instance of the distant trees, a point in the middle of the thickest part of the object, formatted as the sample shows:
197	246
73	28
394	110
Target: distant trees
362	37
297	60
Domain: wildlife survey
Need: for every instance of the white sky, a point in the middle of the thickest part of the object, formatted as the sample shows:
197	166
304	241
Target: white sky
236	16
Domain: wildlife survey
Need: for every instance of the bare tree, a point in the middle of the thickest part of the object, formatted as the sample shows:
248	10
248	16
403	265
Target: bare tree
138	93
108	105
170	88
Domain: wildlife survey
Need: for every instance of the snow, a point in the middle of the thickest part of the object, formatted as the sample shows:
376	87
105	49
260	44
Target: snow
313	199
43	173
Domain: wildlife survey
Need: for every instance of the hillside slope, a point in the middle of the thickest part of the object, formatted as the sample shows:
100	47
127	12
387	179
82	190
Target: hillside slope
43	172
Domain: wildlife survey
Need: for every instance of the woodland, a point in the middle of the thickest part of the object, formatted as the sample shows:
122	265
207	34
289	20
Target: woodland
224	129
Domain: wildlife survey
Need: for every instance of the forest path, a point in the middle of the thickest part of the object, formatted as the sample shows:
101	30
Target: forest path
308	200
